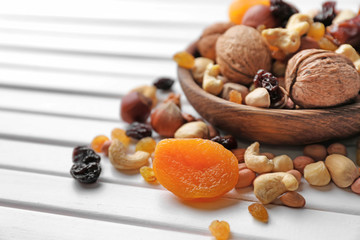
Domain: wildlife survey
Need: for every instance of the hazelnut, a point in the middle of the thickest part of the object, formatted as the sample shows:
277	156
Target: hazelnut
135	107
196	129
207	41
147	91
166	119
241	52
318	78
174	98
317	174
259	15
343	171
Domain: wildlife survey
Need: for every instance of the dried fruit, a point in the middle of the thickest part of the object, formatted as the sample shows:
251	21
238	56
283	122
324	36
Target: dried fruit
184	60
86	167
98	142
139	130
229	142
347	32
120	134
164	83
238	8
316	31
84	154
327	14
220	230
148	174
135	107
195	168
146	144
270	83
259	212
235	97
282	11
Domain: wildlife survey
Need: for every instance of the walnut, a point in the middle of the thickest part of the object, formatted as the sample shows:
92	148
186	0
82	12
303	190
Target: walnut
207	41
318	78
241	52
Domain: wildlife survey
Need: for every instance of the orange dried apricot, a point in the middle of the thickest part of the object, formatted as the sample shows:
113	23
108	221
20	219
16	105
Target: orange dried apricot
259	212
184	59
238	8
195	168
98	142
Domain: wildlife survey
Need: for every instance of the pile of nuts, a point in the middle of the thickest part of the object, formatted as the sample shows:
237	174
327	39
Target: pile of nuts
305	60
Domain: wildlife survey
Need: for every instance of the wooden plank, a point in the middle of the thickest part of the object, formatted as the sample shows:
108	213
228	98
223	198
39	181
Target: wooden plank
24	224
154	208
85	44
91	64
145	11
329	198
121	30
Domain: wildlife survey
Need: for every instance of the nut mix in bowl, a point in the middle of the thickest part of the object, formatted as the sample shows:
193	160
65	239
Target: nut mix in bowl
279	76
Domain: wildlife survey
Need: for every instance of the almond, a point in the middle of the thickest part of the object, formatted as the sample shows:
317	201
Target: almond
293	199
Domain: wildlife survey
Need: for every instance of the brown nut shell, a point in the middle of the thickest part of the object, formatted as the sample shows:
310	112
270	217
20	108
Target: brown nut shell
241	52
259	15
318	78
207	41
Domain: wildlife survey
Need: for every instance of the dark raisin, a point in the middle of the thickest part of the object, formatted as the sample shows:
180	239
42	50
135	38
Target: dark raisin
327	14
139	130
164	83
282	11
229	142
86	173
270	83
347	32
84	154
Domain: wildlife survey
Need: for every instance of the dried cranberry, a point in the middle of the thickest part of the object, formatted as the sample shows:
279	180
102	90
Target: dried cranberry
327	14
229	142
282	11
139	130
347	32
84	154
164	83
86	173
270	83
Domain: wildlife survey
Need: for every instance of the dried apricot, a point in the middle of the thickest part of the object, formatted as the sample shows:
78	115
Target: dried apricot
98	142
239	7
184	59
259	212
220	230
195	168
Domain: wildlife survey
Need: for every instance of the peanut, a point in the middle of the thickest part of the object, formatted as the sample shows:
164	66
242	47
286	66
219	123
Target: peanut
300	163
296	174
315	151
246	178
337	148
355	187
239	154
293	199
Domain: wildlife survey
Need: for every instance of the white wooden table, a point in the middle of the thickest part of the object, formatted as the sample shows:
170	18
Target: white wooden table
64	66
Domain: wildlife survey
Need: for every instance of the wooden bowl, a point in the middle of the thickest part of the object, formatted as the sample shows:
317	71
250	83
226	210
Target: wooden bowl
272	126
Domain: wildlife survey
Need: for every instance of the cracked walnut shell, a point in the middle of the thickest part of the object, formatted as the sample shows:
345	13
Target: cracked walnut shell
241	52
318	78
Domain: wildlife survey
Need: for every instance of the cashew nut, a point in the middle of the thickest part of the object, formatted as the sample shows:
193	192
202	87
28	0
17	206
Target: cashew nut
120	160
211	83
299	23
259	97
267	187
282	163
256	162
348	51
286	40
199	68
